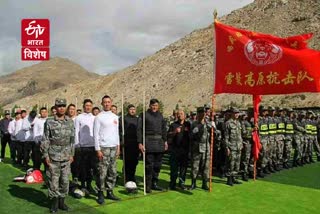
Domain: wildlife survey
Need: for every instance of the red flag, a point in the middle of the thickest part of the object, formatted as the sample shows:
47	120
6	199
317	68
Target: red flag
254	63
255	135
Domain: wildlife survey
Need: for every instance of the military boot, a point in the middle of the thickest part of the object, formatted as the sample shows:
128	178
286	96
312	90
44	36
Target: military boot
285	166
306	160
205	184
193	184
229	181
235	181
62	205
318	158
54	205
261	174
245	177
311	160
111	196
100	199
271	170
156	187
266	171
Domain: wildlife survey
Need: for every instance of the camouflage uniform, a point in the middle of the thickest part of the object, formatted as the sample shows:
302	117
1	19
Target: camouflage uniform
315	141
272	123
233	142
247	146
264	140
289	134
308	138
298	141
57	145
280	138
200	150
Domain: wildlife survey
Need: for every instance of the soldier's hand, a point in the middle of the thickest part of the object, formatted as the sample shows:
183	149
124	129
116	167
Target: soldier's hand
141	148
71	159
99	155
165	146
47	160
118	152
228	151
178	130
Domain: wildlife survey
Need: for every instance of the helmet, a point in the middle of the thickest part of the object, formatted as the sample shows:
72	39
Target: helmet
131	187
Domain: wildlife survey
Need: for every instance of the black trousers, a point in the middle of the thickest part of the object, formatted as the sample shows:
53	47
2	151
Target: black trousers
75	165
20	148
88	163
36	155
178	166
131	155
153	166
27	149
5	139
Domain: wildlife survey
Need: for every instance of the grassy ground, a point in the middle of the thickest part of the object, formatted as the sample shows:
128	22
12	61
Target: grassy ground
289	191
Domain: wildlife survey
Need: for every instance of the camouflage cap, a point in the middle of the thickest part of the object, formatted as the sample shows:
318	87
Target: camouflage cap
234	110
263	108
60	102
193	113
200	109
271	108
303	113
309	112
280	109
290	110
7	112
207	106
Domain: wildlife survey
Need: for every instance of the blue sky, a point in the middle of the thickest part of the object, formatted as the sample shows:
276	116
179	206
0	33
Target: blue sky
105	35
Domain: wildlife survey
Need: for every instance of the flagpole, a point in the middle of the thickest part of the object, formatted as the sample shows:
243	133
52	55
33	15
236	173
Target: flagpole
215	14
144	142
123	143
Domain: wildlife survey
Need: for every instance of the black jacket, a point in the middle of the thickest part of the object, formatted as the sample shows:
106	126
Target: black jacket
156	133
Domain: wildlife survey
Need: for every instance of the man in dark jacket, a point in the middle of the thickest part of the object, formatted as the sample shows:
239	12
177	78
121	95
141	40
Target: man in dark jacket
155	143
131	148
179	143
5	136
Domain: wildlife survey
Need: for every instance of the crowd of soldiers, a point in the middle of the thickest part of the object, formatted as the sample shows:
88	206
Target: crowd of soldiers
86	144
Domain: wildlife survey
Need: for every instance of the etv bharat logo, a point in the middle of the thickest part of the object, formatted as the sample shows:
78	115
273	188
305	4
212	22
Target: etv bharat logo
37	30
261	52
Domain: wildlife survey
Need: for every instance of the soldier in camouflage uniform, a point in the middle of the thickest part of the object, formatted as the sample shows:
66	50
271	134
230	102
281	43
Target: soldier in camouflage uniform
233	143
246	131
200	149
315	131
289	134
264	139
299	137
313	141
272	123
307	124
57	150
280	137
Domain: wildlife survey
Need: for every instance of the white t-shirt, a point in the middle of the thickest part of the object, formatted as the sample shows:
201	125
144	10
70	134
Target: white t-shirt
84	130
38	129
106	130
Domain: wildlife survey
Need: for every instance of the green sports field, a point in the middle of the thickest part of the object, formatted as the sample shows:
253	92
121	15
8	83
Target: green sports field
290	191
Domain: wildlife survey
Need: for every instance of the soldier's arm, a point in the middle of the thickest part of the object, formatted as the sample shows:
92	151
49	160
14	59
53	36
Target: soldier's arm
72	137
45	140
227	136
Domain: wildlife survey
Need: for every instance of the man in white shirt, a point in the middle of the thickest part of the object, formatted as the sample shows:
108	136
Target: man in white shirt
85	142
38	131
19	137
107	146
14	141
27	127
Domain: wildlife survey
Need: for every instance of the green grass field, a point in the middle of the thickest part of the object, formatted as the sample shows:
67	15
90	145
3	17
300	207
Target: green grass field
289	191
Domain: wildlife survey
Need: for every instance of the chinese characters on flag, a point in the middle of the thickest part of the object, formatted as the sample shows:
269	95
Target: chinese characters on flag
35	39
258	64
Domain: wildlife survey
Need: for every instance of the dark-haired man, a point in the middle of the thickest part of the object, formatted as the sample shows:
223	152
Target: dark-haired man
38	130
155	143
131	148
84	142
57	149
107	146
5	136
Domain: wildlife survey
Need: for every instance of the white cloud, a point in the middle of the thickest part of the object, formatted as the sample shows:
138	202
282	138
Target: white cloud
104	36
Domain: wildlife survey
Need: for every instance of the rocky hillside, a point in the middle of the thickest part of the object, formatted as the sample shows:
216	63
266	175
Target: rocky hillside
182	72
40	78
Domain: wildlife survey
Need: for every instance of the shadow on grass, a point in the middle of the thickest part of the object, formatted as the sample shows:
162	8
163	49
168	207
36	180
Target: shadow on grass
306	176
29	194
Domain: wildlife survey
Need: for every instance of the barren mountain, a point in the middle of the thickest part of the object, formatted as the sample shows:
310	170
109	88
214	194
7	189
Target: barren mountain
182	72
40	78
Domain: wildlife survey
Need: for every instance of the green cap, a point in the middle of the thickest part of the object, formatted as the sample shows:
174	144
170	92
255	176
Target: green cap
200	109
61	102
7	112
